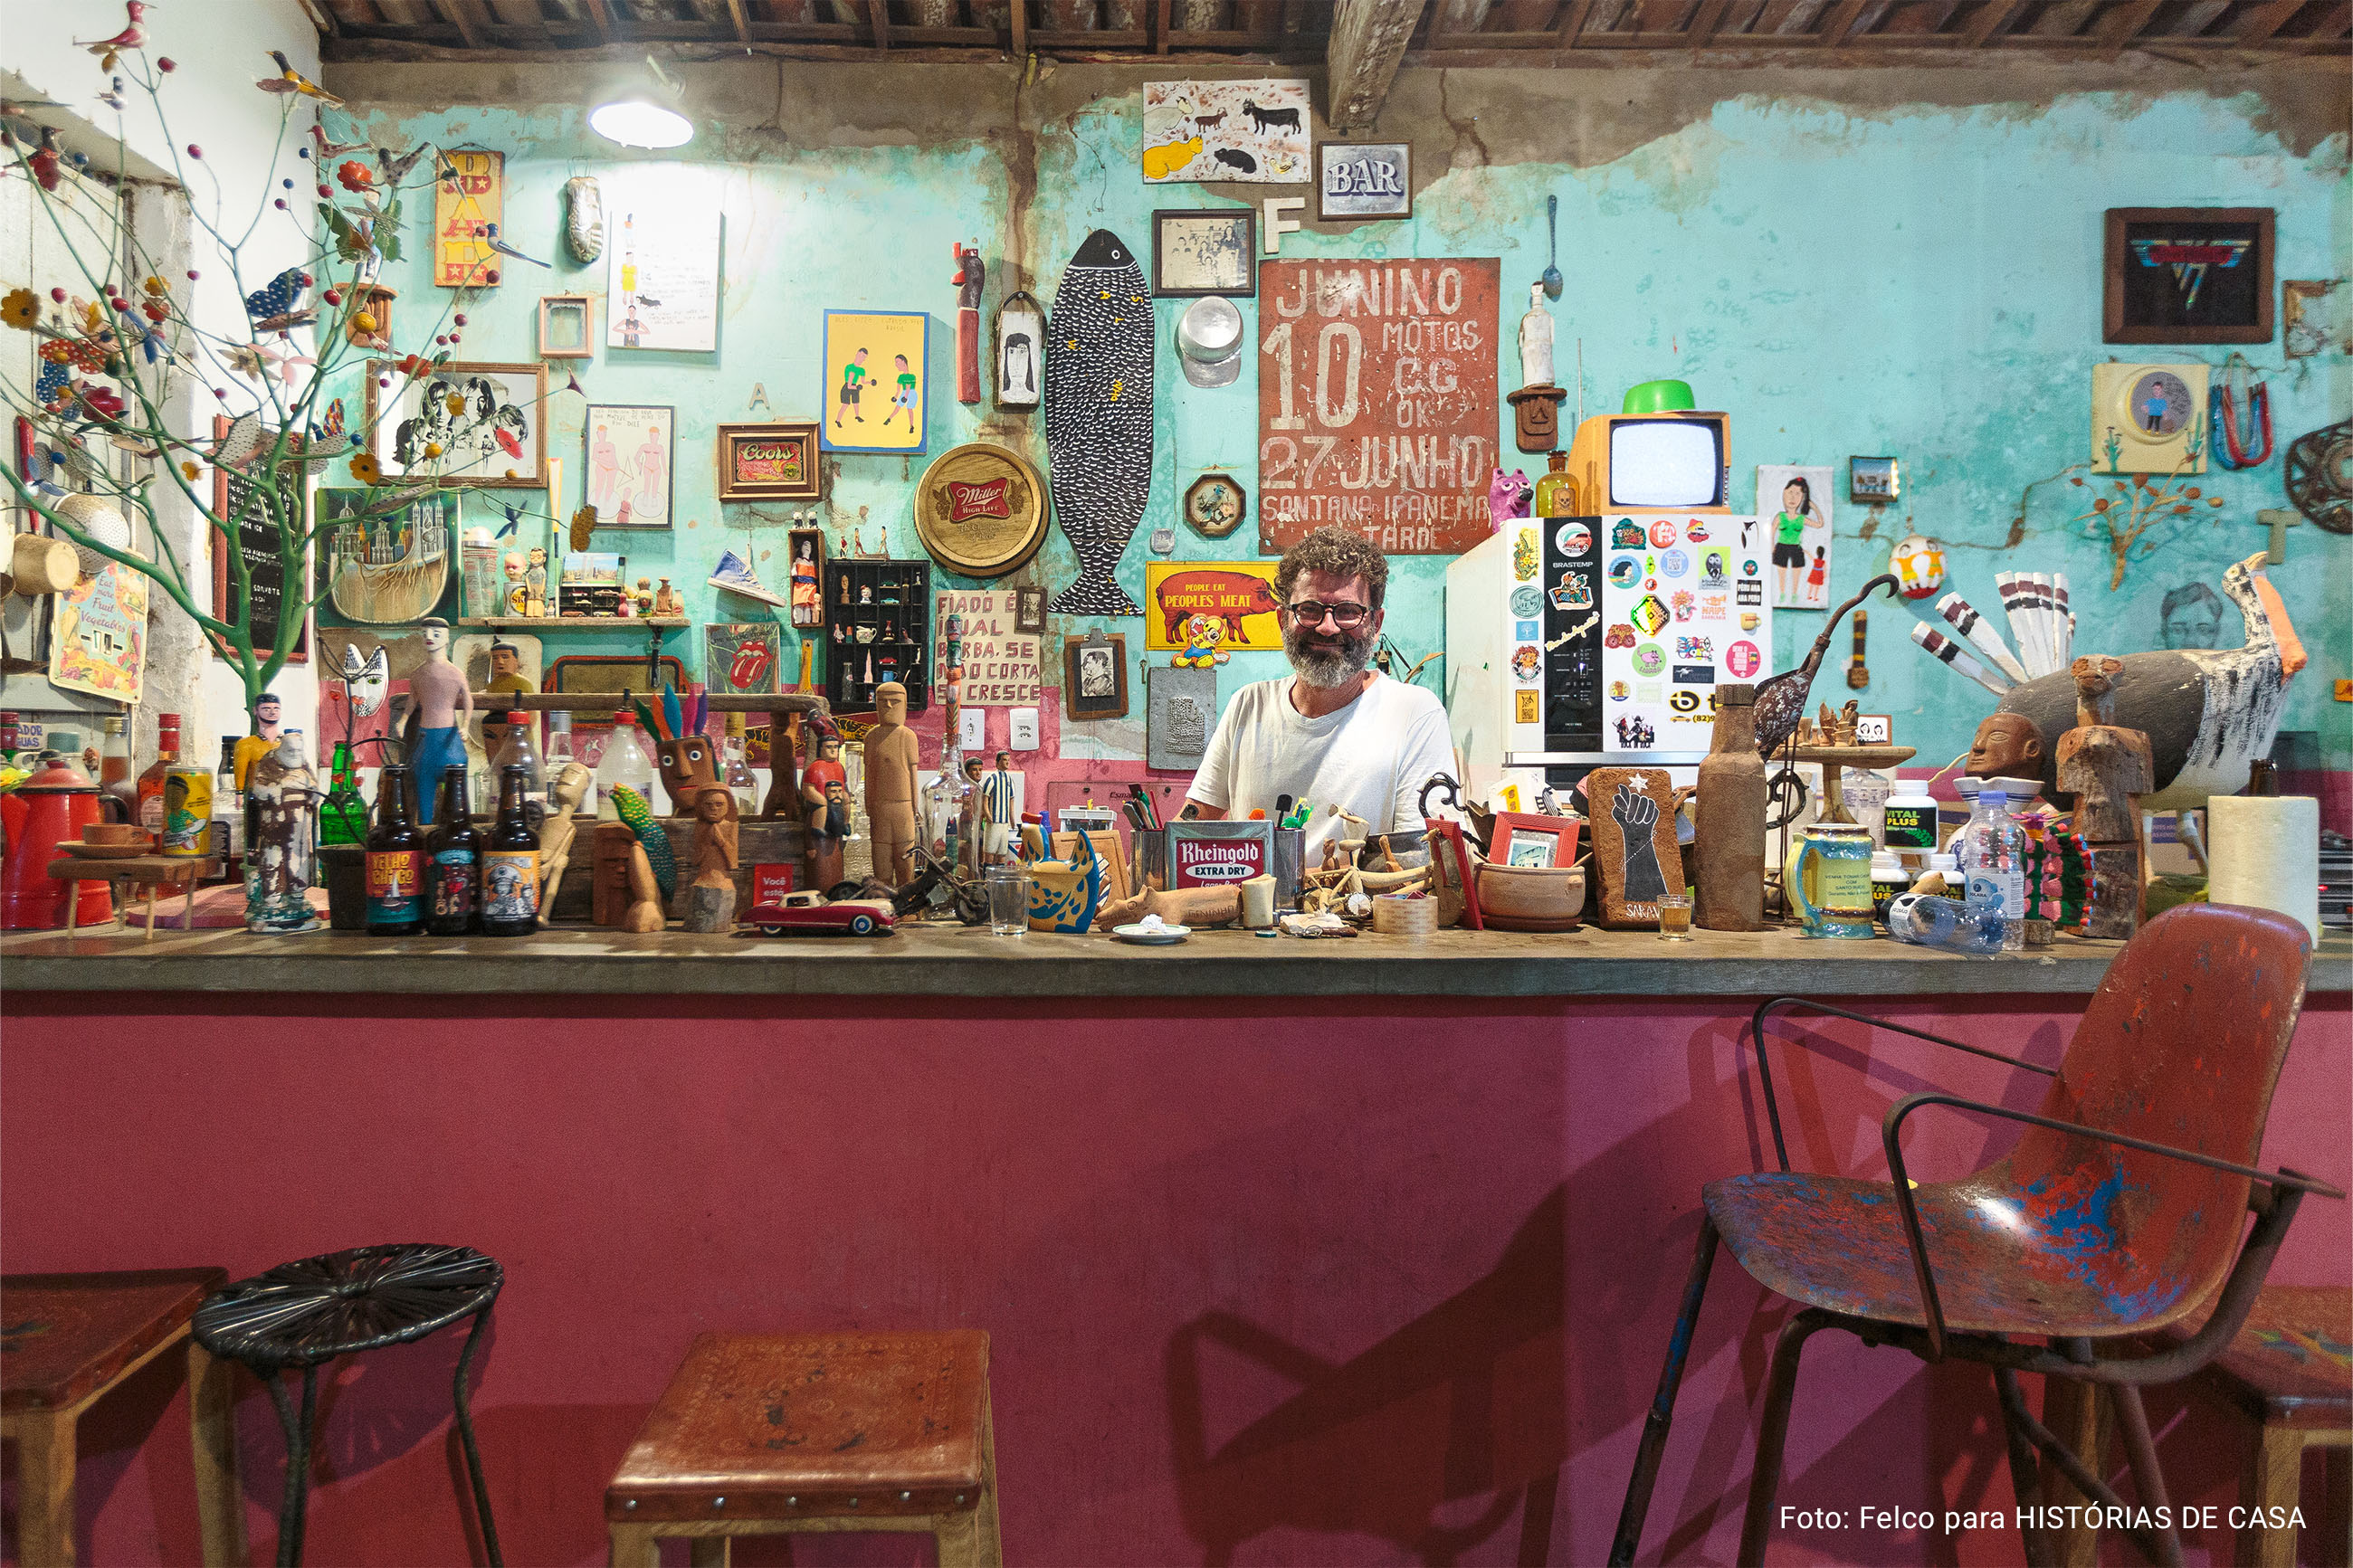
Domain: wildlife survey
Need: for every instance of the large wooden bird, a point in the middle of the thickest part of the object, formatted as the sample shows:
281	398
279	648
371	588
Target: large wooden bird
1781	699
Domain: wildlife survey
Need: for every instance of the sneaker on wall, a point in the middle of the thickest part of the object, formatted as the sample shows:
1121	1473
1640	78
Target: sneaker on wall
735	574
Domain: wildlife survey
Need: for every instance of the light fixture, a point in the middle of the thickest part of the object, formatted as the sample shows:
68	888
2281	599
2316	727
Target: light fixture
643	115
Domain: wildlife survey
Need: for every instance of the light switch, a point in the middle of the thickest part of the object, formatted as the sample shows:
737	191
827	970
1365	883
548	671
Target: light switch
972	728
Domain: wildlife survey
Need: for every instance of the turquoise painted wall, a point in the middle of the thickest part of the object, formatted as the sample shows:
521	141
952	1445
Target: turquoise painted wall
1922	282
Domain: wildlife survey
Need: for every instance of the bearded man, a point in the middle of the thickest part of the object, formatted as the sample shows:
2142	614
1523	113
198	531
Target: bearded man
1335	731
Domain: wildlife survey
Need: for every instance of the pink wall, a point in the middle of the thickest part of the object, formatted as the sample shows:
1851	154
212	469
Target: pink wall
1325	1282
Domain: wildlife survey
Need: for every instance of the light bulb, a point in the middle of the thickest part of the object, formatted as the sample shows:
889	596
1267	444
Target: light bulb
638	122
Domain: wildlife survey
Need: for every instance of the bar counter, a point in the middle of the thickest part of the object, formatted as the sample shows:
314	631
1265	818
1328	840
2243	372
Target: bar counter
1355	1251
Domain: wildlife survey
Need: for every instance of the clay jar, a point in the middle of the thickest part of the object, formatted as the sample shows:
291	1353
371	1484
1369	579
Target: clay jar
1728	819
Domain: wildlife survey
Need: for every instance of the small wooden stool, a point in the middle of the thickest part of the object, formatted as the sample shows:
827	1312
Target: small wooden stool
2289	1373
793	1434
67	1340
152	872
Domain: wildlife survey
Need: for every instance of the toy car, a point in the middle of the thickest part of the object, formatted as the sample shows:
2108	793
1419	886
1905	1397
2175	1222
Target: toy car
807	913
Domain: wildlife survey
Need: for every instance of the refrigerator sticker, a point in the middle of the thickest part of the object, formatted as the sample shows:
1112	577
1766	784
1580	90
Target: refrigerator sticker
1573	539
1742	659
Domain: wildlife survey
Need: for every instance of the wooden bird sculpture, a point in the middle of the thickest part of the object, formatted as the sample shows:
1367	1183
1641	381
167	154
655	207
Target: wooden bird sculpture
134	35
289	79
1781	699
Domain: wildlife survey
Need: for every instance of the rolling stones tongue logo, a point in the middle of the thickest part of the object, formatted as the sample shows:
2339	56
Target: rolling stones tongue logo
750	666
966	501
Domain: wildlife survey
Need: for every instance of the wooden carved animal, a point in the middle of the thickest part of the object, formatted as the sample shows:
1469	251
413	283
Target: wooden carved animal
1193	907
1781	699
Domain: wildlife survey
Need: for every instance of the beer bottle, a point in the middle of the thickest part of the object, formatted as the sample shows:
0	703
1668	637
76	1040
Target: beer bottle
511	862
395	860
453	861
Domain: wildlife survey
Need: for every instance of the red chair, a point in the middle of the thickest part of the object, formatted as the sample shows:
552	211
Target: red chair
2117	1212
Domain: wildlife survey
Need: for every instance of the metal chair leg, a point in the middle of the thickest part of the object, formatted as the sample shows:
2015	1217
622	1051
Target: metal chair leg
1773	1431
2148	1476
2025	1468
1662	1406
465	1441
298	1461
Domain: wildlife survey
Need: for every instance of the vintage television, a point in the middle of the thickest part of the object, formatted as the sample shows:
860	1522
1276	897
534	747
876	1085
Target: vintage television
1667	460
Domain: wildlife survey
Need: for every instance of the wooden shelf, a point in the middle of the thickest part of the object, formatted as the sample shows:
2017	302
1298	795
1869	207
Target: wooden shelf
576	623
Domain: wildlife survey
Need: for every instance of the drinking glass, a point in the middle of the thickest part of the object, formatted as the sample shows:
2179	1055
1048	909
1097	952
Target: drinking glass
1674	916
1008	900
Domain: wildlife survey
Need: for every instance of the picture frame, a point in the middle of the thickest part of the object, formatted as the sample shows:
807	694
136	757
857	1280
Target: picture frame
1094	677
881	347
1201	251
775	461
1030	610
1874	480
1530	840
259	539
805	590
566	327
630	473
2188	275
502	431
1359	179
1215	504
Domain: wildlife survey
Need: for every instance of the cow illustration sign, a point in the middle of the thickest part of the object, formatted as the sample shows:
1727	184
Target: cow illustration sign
1220	607
1377	402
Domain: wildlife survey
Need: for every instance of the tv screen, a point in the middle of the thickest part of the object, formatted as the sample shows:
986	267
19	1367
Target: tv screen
1665	463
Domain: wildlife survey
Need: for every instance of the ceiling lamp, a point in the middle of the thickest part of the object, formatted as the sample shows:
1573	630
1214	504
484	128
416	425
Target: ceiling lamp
644	115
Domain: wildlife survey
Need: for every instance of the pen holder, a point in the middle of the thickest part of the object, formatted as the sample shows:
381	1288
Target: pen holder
1290	866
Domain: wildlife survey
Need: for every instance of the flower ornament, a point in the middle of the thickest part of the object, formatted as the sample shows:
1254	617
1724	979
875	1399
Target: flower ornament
354	176
365	468
21	309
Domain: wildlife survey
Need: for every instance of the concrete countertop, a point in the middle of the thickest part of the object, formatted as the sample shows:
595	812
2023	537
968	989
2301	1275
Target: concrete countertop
947	960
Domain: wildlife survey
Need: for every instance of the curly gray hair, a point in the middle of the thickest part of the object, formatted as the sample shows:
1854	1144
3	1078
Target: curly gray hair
1333	551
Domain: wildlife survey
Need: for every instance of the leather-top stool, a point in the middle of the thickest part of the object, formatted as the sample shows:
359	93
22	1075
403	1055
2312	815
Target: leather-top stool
66	1342
792	1434
2289	1375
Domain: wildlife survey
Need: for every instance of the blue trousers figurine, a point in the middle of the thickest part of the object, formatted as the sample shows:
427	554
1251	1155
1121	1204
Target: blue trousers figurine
437	751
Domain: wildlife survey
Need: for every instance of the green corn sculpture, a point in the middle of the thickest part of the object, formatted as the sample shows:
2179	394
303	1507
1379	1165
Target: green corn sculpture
633	810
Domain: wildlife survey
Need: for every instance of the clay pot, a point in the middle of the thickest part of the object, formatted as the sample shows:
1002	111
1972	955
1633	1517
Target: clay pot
1530	897
114	833
43	565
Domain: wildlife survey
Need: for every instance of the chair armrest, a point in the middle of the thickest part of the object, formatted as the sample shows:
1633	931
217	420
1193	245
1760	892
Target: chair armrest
1891	1126
1765	1075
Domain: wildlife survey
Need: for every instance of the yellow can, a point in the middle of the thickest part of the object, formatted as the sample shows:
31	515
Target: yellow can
187	813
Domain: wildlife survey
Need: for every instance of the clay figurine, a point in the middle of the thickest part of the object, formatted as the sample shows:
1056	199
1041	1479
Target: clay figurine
443	703
1191	907
2008	746
711	901
2107	768
825	798
667	599
891	760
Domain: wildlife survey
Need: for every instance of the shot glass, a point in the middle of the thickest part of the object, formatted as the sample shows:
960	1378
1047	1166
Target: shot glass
1674	916
1008	900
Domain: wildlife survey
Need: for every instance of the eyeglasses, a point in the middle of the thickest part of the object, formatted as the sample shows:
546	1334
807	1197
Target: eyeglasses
1308	613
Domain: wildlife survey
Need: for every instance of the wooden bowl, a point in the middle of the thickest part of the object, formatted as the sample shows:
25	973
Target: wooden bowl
113	833
1530	897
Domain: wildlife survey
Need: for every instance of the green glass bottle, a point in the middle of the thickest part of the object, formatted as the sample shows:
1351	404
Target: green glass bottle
343	814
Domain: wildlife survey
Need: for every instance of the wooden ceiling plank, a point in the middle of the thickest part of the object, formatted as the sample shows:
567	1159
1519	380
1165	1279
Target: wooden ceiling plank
1704	23
743	23
878	14
1573	17
1160	20
602	17
1368	40
1989	20
2262	21
1798	20
2196	19
2120	26
1020	11
1842	22
458	14
2063	20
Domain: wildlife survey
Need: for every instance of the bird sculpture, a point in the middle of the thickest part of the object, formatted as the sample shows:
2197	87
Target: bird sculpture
112	96
289	79
503	249
44	159
273	305
1781	699
328	151
395	169
639	816
2207	713
134	35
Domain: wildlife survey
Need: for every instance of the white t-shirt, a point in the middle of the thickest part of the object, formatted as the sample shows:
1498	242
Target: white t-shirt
1372	757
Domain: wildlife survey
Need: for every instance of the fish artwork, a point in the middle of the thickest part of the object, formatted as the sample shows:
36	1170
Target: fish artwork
1099	367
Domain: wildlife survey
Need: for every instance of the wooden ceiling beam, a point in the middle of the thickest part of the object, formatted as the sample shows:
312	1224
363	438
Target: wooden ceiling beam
1989	20
603	18
878	13
458	14
743	23
2120	26
1704	23
1570	30
2262	21
1368	40
1842	23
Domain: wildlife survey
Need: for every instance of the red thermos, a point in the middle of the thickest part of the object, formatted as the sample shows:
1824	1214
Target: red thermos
56	804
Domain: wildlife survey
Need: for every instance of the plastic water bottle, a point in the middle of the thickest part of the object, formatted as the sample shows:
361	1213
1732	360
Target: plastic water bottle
624	762
1993	859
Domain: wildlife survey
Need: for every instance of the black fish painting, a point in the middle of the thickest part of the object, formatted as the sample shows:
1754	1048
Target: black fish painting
1099	361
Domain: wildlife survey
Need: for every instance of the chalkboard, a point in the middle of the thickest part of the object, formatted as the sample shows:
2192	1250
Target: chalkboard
257	535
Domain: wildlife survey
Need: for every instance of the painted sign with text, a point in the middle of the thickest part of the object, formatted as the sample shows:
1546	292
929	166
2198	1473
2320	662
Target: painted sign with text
1000	662
1377	402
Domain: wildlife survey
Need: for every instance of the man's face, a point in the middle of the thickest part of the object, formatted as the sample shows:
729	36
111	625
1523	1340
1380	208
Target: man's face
2192	627
891	706
267	709
1321	649
503	661
436	639
2005	744
829	750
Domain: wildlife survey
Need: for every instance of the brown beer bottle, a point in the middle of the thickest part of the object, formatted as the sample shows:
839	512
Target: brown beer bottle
511	862
453	861
395	860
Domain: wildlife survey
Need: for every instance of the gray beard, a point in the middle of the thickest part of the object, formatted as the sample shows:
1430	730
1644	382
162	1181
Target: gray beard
1327	668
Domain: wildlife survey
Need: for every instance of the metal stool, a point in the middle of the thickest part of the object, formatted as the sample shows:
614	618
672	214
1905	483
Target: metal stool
307	1313
790	1433
66	1340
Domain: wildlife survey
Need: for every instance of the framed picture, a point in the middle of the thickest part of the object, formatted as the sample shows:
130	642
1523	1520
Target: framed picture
390	566
478	424
628	472
877	380
2188	275
564	327
1206	250
768	462
1364	179
1215	504
1874	479
1522	838
1094	677
1254	129
740	658
1030	610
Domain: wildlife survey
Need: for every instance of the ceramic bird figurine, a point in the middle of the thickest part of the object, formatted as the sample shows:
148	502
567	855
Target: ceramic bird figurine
133	35
503	249
1781	699
273	304
112	96
289	79
326	150
45	160
396	170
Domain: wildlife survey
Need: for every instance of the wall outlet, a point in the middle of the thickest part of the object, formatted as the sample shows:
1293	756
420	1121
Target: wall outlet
1025	730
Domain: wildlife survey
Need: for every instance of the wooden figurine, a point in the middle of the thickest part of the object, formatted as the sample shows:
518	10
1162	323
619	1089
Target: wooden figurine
2107	768
2007	746
687	768
571	788
1728	820
1635	851
627	896
1196	908
970	277
710	900
667	600
891	760
785	730
825	800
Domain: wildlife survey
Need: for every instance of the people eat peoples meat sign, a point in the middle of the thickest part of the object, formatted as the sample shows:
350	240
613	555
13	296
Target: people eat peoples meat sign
1377	402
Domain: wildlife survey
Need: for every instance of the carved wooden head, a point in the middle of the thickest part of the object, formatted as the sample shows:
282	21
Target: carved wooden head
687	766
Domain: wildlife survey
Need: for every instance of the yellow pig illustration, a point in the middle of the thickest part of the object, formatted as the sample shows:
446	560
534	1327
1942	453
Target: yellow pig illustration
1160	162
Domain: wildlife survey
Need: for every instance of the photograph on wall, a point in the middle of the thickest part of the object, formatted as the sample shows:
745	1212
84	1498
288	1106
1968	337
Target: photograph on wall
1795	503
464	424
628	472
661	266
1255	131
1208	250
1203	611
1364	179
740	658
386	567
877	380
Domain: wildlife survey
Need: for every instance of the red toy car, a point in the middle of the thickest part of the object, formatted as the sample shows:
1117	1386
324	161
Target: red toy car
807	913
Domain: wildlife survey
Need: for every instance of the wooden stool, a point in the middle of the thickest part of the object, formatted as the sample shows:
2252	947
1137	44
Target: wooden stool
123	879
792	1434
66	1340
2289	1373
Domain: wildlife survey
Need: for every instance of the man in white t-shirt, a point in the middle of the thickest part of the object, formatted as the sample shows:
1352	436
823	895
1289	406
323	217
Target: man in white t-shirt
1334	732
